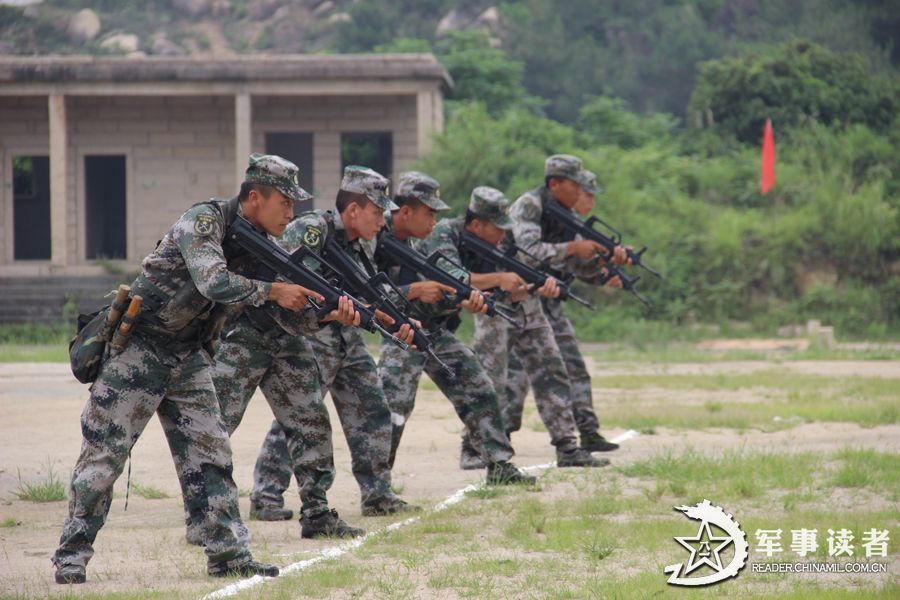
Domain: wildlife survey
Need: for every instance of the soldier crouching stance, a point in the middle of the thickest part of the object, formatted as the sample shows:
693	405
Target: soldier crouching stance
487	219
265	347
470	390
345	365
164	369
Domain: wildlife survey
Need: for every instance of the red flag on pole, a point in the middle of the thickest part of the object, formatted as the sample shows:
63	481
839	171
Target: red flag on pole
767	174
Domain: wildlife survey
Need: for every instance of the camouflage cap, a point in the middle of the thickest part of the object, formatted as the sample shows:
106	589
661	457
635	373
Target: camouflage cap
274	171
491	205
372	185
588	182
423	188
562	165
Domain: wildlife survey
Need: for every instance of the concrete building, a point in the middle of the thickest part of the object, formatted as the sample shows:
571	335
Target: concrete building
98	156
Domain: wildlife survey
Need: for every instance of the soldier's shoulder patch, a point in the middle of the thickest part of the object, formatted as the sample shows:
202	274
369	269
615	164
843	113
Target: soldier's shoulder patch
204	224
312	236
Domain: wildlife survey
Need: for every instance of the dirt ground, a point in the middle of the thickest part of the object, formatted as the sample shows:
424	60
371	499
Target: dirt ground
144	548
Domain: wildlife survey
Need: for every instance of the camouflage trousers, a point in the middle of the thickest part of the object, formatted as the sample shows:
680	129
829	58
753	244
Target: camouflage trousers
470	391
579	378
174	383
348	371
283	367
537	350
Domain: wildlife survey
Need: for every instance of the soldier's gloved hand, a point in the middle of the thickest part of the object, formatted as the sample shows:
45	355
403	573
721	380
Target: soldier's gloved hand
475	304
292	296
584	249
344	314
550	289
428	292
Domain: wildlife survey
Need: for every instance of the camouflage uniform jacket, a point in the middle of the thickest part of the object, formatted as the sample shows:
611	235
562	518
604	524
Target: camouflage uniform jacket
431	315
538	235
190	273
446	238
312	229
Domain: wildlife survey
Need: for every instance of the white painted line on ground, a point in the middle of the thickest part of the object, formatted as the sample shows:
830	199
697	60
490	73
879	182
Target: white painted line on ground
344	547
624	437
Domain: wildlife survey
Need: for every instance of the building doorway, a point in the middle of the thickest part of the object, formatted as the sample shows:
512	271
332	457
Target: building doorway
105	200
297	148
31	207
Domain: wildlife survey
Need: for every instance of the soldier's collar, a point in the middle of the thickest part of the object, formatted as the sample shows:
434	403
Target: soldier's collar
338	222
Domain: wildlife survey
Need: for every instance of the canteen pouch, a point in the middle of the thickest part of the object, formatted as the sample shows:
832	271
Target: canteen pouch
88	347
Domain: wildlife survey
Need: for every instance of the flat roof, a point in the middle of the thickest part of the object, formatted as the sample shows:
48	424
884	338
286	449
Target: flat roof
238	69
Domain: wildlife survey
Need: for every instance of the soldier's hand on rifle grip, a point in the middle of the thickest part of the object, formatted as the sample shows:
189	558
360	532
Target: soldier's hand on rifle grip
344	314
475	304
550	289
620	255
428	292
614	282
384	318
584	249
512	283
407	333
291	296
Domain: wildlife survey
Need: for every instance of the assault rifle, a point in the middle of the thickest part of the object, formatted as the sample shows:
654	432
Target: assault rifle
507	261
573	224
276	259
427	266
370	288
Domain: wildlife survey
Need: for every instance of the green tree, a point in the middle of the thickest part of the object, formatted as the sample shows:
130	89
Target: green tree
796	83
481	72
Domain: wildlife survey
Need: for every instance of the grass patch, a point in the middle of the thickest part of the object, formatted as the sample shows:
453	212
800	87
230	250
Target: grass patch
320	582
148	491
487	491
767	400
10	522
49	489
733	474
12	353
593	534
868	468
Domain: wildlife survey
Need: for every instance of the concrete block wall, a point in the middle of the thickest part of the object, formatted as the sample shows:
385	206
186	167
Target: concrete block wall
326	118
180	150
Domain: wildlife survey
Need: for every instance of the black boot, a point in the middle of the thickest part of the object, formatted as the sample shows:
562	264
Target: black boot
327	524
259	512
506	473
244	569
577	457
594	442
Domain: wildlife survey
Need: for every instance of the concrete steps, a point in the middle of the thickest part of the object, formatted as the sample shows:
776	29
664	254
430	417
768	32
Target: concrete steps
44	299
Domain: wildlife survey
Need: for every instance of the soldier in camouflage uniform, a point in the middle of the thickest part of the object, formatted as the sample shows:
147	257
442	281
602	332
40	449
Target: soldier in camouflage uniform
487	218
567	183
265	347
185	284
346	367
470	389
517	379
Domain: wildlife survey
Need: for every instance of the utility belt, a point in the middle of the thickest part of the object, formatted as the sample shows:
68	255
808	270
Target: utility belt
449	322
260	319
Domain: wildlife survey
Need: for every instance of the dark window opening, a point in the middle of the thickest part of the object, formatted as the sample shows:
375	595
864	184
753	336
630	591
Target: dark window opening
104	192
31	207
297	148
373	150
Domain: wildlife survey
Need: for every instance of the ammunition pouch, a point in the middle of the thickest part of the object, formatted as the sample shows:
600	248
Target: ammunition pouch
87	349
